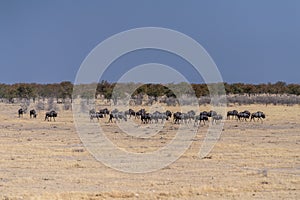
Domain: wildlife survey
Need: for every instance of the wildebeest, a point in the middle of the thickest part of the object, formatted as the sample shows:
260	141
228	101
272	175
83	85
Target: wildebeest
260	115
50	114
158	115
21	111
32	113
97	115
139	113
177	117
168	113
216	118
92	111
190	115
232	113
129	112
204	113
114	110
243	115
211	113
146	117
200	117
104	112
118	116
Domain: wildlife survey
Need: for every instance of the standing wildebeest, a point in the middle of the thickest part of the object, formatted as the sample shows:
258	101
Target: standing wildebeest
216	118
50	114
96	115
129	112
158	115
190	115
146	118
104	112
32	113
21	111
243	115
177	117
117	116
232	113
114	111
201	117
139	113
168	113
211	113
260	115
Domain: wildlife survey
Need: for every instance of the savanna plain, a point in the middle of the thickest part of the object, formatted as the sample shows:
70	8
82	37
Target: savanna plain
251	160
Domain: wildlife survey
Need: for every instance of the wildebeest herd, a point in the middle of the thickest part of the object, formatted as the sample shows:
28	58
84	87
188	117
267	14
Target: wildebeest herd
245	115
33	114
155	117
178	117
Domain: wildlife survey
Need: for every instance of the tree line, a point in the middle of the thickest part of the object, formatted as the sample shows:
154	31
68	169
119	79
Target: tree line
109	90
61	90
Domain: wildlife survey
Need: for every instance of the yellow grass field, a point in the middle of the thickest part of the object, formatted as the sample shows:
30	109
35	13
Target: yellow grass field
251	160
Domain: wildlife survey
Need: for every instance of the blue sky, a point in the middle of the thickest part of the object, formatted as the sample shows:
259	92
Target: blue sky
250	41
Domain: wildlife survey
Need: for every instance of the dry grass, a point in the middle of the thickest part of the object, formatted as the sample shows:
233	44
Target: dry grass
46	160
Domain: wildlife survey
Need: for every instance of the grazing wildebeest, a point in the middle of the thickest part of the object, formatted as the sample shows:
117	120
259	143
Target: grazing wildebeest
243	115
130	112
201	117
32	113
104	112
216	118
232	113
21	111
260	115
117	116
96	115
50	114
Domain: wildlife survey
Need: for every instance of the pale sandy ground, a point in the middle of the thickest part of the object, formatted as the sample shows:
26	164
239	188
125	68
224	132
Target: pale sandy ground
46	160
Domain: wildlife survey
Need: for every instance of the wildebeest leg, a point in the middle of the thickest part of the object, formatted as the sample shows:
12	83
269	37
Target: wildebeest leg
110	119
261	119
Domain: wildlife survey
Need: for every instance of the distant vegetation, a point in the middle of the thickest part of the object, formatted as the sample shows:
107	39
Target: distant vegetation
277	93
